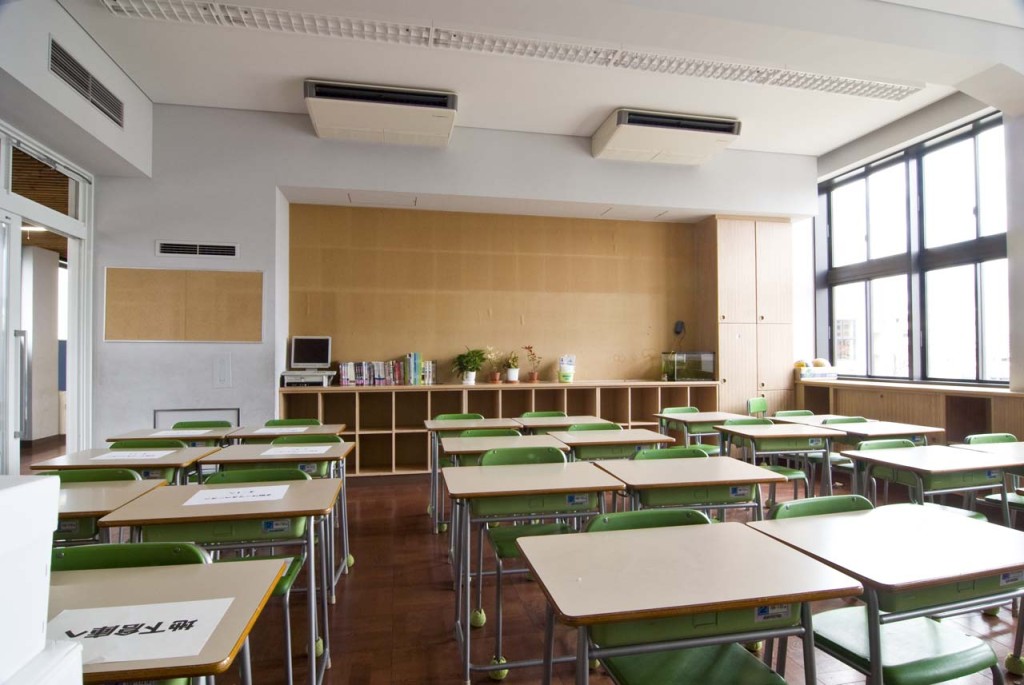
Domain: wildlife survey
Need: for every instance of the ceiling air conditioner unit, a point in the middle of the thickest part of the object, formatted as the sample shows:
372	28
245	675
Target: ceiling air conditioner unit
638	136
379	114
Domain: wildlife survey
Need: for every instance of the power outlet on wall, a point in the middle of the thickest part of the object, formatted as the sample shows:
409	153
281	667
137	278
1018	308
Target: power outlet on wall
222	371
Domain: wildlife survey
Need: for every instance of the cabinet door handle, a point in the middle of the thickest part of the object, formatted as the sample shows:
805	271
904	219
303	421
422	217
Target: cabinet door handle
723	317
723	380
761	317
762	384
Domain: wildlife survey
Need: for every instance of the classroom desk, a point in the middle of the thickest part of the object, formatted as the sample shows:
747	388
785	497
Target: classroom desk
678	571
790	439
185	434
305	458
147	461
813	420
884	430
272	432
715	483
249	585
546	423
313	499
935	468
435	427
637	437
97	498
576	483
697	424
904	554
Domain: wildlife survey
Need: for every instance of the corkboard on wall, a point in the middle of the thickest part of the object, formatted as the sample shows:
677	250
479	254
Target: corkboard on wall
183	305
385	282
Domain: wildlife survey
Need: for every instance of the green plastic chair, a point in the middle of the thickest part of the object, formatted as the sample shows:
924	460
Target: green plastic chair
527	510
443	461
792	475
108	556
702	497
668	424
714	665
541	414
474	459
154	444
85	529
590	453
794	412
292	422
757	406
239	536
698	431
837	461
594	427
817	506
218	423
671	453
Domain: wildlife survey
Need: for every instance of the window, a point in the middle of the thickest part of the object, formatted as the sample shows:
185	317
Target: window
917	280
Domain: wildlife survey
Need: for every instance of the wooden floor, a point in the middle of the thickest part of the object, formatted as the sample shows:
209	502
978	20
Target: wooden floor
392	623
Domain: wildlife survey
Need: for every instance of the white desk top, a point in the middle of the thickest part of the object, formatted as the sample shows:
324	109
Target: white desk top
558	421
632	574
938	459
248	454
701	417
780	430
466	424
813	420
468	482
901	547
271	432
249	583
481	445
870	430
186	434
649	474
87	459
630	436
1006	449
99	498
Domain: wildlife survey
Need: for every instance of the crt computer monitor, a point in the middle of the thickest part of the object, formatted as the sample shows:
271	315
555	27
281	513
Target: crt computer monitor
311	352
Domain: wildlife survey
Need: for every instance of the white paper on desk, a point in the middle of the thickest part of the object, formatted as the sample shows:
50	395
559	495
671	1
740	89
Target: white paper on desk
140	632
180	432
282	429
256	493
296	449
134	455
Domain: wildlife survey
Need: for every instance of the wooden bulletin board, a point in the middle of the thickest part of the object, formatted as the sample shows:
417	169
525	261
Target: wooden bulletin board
184	305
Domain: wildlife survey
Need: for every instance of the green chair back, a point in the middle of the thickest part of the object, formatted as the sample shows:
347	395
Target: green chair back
489	433
646	518
508	456
885	444
844	419
306	440
816	506
218	423
126	556
456	417
757	406
671	453
748	421
155	444
795	412
679	410
989	438
541	414
94	475
260	475
293	422
595	427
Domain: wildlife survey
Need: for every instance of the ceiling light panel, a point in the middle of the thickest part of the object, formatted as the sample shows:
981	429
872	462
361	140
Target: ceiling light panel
303	23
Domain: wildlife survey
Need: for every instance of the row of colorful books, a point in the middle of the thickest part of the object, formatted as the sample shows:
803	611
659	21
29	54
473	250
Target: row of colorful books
409	370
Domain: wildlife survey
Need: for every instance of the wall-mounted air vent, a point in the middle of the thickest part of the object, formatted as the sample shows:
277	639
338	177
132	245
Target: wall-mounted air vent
180	249
71	71
680	122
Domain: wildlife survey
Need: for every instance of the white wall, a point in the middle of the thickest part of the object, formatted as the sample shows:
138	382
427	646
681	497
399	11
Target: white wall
35	101
216	175
39	319
803	289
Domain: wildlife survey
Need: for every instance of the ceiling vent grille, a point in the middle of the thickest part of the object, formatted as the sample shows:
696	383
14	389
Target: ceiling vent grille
664	137
71	71
179	249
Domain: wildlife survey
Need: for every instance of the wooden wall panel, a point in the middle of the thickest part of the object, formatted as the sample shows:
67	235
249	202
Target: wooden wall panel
384	282
906	407
1008	416
183	305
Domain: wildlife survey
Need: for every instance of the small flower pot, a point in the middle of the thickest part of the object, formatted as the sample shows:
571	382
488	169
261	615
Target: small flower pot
495	377
512	375
469	378
532	376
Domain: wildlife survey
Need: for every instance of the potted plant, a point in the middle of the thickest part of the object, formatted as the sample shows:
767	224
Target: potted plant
494	363
511	366
534	360
468	363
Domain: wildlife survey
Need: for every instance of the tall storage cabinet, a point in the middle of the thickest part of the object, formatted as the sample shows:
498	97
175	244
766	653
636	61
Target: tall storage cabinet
745	268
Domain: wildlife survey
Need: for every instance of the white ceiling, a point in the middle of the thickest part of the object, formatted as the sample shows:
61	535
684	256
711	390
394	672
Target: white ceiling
213	66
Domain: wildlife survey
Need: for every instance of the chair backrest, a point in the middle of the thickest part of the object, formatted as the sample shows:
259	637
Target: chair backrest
507	456
307	439
845	419
679	410
202	424
488	432
293	422
757	406
988	438
595	427
94	475
794	412
815	506
751	421
455	417
258	475
646	518
885	444
671	453
125	556
148	444
541	414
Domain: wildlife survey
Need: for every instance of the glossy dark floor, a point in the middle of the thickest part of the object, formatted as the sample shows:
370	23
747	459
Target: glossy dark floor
392	622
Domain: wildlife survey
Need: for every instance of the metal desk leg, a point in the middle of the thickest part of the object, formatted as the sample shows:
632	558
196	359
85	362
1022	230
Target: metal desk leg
582	656
311	595
1014	662
326	583
549	644
826	468
874	638
245	664
466	595
810	674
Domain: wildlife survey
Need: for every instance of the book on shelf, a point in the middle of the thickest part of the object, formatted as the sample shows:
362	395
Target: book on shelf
410	370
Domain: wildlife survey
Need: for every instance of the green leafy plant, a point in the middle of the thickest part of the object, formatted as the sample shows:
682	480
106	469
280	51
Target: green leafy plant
510	361
533	358
470	360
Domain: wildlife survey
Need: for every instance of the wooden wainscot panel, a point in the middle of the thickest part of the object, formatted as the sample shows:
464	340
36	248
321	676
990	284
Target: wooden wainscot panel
889	405
1008	416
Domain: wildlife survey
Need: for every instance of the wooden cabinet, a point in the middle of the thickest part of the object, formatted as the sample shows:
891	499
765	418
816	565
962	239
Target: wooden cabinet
386	422
746	315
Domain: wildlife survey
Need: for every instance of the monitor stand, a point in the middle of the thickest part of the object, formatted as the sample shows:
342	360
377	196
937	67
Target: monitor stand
307	377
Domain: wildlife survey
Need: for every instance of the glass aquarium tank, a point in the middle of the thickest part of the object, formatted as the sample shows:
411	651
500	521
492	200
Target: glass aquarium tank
687	366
